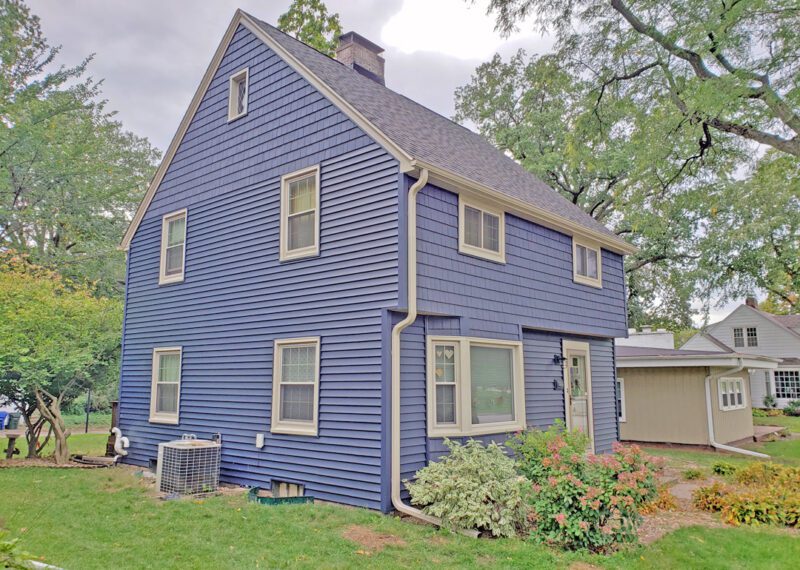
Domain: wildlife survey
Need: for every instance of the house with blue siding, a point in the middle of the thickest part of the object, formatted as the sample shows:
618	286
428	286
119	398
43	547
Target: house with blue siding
335	278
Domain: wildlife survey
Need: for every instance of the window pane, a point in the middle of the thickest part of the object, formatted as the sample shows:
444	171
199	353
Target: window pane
492	382
241	95
176	231
787	384
619	399
166	398
445	363
591	265
302	195
298	364
752	336
472	226
580	261
725	399
491	232
739	398
174	260
302	231
297	402
169	366
446	404
738	338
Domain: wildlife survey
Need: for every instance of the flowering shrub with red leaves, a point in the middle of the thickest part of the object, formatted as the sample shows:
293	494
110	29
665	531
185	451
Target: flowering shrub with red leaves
583	501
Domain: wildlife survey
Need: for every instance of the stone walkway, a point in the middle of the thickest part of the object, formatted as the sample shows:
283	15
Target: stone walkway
765	433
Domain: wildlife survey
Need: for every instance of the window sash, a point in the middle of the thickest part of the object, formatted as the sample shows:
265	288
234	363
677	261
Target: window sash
173	247
295	392
481	232
300	214
787	384
621	399
479	390
587	264
165	387
731	394
238	91
738	338
752	336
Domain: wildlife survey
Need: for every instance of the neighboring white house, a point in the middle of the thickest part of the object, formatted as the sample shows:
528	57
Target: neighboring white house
748	330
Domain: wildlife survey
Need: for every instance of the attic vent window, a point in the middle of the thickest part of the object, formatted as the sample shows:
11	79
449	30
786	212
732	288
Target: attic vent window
481	231
587	264
237	97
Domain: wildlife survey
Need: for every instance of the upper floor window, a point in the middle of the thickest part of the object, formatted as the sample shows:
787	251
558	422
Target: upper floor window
738	337
731	394
300	214
166	385
587	264
481	231
475	386
237	95
173	247
752	336
295	386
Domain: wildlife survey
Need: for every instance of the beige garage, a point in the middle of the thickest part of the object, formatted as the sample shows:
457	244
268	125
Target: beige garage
665	395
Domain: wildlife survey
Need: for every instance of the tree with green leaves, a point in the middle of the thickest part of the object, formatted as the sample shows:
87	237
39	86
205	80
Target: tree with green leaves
57	338
70	175
309	22
730	66
610	158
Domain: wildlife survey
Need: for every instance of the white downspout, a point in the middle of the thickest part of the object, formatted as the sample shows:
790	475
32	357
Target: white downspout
710	416
411	276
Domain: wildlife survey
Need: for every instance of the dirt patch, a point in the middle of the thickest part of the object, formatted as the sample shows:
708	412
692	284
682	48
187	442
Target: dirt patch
45	462
583	566
660	523
370	540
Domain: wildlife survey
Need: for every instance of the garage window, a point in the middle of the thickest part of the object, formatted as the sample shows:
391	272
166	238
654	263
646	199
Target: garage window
731	394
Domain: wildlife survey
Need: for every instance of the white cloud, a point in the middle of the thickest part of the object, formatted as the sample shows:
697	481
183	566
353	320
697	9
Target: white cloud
451	27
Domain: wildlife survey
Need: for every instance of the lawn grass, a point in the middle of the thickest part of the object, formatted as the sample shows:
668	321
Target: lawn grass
791	422
105	518
79	444
97	421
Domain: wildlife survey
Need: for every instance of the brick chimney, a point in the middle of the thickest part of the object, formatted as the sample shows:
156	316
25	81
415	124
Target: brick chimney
751	302
360	54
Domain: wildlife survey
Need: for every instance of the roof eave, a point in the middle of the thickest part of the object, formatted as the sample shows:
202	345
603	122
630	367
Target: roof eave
673	361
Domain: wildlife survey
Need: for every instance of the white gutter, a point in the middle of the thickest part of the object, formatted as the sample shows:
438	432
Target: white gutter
710	414
411	276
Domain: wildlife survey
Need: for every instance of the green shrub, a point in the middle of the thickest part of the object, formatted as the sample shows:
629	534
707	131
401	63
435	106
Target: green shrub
579	501
767	474
692	474
10	554
758	413
534	448
770	401
710	498
474	487
663	501
775	505
723	468
792	408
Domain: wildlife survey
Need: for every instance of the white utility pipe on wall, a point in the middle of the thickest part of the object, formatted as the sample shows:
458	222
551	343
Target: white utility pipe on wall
411	277
710	414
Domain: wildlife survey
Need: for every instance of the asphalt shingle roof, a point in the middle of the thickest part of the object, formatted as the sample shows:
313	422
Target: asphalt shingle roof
430	137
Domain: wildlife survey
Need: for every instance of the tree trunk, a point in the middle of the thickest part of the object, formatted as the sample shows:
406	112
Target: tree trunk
51	410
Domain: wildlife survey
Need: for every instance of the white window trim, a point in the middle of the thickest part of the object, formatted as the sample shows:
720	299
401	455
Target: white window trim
463	426
312	250
621	388
162	418
775	382
163	278
233	96
293	427
742	330
568	346
724	381
583	279
748	337
467	249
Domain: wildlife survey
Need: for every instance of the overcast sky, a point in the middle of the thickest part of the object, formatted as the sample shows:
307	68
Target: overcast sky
151	54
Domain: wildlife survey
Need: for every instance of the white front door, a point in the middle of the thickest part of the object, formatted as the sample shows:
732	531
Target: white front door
578	390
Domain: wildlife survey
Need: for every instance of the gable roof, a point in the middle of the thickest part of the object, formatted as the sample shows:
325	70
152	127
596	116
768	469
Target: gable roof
417	137
649	357
790	321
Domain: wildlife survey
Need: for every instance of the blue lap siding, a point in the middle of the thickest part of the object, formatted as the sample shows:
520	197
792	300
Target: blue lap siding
237	298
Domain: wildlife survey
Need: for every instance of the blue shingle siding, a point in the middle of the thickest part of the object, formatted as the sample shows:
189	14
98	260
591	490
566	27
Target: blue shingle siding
534	288
237	298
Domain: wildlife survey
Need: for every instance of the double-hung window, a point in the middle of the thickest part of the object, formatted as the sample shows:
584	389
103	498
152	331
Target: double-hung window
173	247
295	386
475	386
165	391
738	337
752	336
481	231
731	394
237	94
587	264
300	214
621	399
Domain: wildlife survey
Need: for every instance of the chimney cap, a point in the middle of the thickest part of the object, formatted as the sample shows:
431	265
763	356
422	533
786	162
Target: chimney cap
357	38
